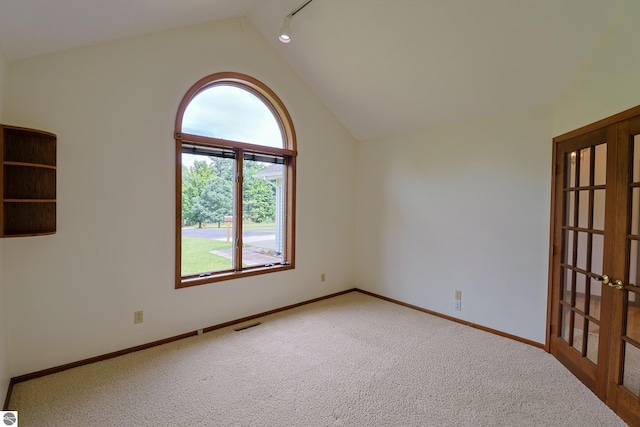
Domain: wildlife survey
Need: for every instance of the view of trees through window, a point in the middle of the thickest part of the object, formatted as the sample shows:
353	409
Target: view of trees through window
208	208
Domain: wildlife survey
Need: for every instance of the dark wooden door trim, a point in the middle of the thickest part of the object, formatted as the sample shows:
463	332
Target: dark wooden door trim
600	124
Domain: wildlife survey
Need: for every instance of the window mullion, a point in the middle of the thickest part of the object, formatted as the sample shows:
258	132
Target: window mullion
238	209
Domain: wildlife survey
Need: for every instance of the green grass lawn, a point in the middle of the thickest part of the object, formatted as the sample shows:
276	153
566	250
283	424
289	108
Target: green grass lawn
197	258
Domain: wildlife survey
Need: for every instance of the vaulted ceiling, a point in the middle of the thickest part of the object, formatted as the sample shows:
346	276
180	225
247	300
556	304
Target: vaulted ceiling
382	67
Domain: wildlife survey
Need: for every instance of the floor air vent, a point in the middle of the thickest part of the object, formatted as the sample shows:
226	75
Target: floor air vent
247	327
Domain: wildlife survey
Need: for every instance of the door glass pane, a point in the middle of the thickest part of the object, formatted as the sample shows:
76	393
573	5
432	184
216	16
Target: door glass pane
583	209
578	327
598	209
633	263
633	316
597	251
570	203
263	236
580	292
631	379
566	277
585	167
568	247
636	159
635	210
596	297
600	172
592	342
207	198
582	251
566	323
571	170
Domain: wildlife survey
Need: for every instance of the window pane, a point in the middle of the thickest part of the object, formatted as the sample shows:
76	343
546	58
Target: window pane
263	226
631	379
633	316
581	280
578	327
570	202
566	322
582	251
568	281
231	113
585	167
568	247
207	203
598	209
600	173
597	253
633	263
571	169
636	158
596	297
593	339
583	209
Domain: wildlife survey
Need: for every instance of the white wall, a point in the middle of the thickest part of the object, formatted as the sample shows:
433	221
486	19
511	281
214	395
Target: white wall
460	207
113	107
4	350
608	82
467	206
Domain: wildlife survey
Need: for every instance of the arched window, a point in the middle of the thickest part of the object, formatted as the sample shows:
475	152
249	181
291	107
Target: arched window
235	181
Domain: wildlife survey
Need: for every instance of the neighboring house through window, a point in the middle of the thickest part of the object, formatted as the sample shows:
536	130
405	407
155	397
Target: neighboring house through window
235	181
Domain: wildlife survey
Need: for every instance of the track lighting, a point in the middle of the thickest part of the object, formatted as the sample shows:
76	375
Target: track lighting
285	31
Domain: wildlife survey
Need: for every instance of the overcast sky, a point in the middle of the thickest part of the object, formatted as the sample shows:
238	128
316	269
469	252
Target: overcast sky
229	112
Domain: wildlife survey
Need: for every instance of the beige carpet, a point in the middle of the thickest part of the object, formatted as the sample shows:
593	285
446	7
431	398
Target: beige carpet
352	360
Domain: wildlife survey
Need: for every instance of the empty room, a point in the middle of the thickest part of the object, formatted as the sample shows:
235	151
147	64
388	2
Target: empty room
325	212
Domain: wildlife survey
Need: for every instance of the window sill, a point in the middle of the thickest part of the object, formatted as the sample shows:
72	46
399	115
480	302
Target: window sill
186	282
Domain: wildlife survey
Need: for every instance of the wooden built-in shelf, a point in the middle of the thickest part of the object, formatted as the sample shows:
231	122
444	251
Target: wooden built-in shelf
31	165
29	200
28	186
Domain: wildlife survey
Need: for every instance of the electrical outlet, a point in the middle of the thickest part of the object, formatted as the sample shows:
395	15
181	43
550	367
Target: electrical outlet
458	300
200	331
138	317
322	277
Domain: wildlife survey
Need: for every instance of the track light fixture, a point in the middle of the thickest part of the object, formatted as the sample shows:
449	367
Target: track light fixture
285	31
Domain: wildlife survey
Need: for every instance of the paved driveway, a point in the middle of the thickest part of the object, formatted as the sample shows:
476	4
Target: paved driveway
221	233
259	238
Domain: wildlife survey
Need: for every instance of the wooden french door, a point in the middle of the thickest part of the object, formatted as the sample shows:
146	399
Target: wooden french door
595	261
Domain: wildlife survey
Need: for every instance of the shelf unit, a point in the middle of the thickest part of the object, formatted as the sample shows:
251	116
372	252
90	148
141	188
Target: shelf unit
28	186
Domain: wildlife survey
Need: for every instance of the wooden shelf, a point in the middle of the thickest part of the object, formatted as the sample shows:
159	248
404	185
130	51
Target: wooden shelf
30	165
29	200
28	182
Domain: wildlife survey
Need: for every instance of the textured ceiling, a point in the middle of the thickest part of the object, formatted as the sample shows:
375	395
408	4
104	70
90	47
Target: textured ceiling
382	67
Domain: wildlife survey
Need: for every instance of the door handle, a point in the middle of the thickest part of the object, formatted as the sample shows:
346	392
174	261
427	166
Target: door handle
617	284
606	280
